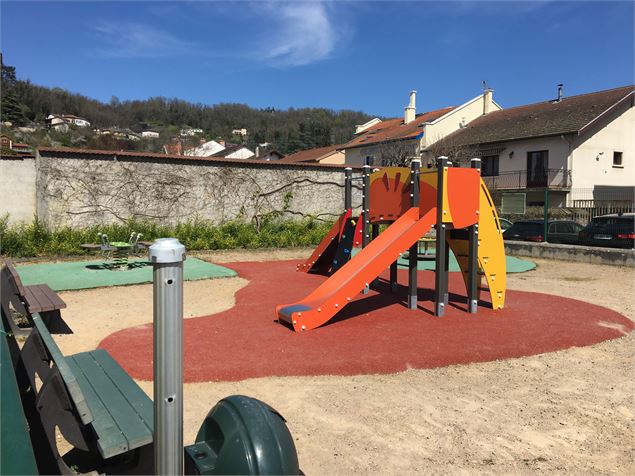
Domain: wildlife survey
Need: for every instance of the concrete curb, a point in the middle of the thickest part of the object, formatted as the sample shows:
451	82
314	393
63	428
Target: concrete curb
583	254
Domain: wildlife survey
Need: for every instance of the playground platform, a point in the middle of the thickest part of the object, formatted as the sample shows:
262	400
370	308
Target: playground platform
74	275
374	334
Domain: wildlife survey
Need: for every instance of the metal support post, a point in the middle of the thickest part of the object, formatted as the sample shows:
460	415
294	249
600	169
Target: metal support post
167	256
366	211
546	214
348	188
441	274
473	279
413	253
393	277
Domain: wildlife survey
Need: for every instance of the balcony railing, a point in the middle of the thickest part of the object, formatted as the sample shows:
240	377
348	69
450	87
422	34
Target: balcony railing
552	179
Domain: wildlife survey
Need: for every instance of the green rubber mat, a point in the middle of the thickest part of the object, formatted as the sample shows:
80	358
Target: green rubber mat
514	265
93	274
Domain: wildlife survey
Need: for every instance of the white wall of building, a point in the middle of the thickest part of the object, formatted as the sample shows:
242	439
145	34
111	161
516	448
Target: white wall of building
558	154
17	182
592	161
452	121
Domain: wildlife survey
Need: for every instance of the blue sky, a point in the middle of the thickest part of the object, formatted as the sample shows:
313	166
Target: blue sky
342	55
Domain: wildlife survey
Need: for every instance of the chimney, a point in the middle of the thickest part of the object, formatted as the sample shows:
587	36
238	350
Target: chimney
410	109
257	151
560	90
201	141
221	142
487	100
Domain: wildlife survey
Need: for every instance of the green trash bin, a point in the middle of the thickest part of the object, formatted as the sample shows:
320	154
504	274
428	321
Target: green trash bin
242	435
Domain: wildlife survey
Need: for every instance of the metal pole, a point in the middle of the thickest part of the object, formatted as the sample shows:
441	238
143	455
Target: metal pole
413	253
366	211
472	268
546	214
441	274
348	188
167	256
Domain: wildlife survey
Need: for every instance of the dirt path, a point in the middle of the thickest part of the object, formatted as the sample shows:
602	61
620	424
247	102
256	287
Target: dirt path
569	411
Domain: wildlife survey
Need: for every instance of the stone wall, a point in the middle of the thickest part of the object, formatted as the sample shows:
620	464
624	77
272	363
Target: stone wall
82	188
583	254
17	188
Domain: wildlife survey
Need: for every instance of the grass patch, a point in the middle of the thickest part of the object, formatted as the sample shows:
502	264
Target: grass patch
36	239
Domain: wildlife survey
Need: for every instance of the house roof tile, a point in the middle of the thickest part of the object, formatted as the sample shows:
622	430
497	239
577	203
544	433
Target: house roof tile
570	115
395	129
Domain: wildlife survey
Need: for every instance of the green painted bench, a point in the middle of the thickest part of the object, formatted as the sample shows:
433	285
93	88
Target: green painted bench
104	415
26	300
16	448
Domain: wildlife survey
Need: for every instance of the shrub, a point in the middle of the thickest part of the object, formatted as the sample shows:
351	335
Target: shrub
36	239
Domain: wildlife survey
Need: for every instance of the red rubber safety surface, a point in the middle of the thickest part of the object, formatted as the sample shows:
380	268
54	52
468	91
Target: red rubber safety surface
375	333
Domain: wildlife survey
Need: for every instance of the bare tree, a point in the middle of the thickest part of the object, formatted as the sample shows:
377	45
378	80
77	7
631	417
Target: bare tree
459	154
397	153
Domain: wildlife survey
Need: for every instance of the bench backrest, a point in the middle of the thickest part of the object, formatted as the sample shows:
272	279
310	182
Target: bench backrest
12	289
16	450
74	390
13	277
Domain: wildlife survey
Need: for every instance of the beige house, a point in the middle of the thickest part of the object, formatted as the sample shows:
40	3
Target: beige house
397	140
321	155
584	144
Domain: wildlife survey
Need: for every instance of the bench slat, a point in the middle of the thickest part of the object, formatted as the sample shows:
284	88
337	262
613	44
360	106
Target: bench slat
32	298
131	424
110	439
128	387
73	386
16	449
41	298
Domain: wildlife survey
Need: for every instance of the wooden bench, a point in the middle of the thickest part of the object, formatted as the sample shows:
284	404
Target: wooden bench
16	448
96	405
27	300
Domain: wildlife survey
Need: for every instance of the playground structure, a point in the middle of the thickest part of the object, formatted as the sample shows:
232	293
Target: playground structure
453	200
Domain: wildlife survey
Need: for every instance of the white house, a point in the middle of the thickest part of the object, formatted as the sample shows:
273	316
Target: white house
397	139
190	132
60	122
567	145
150	134
235	152
240	132
205	149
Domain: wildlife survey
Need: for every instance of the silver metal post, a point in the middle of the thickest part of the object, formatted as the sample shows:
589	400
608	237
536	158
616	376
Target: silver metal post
167	256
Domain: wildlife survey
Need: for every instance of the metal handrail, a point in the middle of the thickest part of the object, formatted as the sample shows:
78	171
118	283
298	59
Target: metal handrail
552	178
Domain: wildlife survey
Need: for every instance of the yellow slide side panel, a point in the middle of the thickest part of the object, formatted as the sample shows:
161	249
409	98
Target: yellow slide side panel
491	249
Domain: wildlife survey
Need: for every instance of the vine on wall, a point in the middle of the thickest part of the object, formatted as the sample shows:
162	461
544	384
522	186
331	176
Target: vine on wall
84	192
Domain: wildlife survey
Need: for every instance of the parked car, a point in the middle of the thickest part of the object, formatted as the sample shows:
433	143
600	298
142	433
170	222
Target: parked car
615	230
505	224
558	231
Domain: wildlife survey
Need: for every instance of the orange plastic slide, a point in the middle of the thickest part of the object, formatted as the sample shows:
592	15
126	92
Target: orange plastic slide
323	255
337	291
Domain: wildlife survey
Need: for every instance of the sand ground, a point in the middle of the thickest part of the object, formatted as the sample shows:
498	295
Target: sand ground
569	411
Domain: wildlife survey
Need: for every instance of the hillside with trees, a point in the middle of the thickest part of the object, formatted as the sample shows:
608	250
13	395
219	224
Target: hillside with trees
27	104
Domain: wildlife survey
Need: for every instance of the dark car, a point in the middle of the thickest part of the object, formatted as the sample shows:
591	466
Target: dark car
505	224
558	231
616	230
